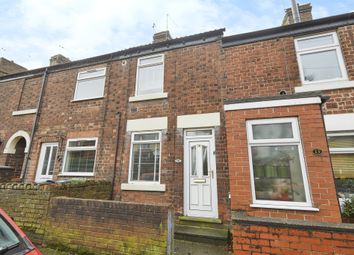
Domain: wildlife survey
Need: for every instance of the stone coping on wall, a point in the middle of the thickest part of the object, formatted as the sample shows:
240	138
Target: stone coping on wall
108	203
240	217
50	186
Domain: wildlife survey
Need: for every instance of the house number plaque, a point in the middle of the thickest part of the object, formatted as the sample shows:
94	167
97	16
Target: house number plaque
317	151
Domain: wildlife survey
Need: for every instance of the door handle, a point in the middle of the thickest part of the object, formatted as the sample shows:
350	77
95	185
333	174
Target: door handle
212	173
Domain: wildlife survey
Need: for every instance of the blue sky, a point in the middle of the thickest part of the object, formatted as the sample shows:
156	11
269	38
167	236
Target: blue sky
31	31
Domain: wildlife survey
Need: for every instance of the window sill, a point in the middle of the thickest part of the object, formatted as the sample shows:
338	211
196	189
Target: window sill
86	99
24	112
76	174
286	207
143	187
148	97
325	86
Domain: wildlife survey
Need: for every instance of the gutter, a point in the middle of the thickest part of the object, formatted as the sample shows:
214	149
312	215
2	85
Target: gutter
34	126
115	157
297	29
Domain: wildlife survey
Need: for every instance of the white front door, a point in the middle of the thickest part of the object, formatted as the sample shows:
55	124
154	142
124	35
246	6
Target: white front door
46	162
200	174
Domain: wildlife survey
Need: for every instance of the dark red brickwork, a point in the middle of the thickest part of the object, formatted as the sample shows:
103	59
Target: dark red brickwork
197	79
30	94
318	167
267	67
16	160
256	239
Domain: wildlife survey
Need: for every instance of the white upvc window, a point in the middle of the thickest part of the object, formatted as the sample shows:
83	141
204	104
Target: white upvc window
278	172
150	75
80	157
145	157
90	84
320	59
341	147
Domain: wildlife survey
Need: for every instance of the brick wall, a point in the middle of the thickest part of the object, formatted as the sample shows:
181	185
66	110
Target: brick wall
319	169
6	174
260	236
16	160
265	68
106	227
191	79
28	203
11	93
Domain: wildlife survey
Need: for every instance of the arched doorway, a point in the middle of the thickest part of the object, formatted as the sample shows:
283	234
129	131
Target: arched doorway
16	160
16	148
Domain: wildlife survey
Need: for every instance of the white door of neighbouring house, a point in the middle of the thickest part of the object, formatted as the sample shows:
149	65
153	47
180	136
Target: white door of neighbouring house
200	191
46	162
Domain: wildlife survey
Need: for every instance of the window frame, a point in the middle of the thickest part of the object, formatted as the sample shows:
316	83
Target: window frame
78	79
132	142
139	66
295	141
335	46
81	148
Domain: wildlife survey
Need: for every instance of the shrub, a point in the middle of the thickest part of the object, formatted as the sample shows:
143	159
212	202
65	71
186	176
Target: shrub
348	208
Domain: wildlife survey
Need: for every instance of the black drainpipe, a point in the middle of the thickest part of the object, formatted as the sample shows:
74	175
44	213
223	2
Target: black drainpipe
115	157
34	126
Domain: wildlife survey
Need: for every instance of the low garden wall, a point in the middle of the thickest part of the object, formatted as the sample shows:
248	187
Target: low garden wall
252	235
28	204
87	226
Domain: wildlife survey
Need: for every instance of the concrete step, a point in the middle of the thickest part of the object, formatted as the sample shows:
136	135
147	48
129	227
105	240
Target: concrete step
202	231
184	247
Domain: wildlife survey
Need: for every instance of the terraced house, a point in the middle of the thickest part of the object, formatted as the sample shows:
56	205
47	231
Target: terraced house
249	130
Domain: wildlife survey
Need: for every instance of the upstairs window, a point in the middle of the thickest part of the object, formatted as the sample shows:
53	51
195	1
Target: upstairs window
277	163
80	157
145	157
90	84
320	58
150	72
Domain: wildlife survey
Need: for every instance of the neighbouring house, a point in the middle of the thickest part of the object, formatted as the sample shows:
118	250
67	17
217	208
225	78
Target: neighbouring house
9	67
230	128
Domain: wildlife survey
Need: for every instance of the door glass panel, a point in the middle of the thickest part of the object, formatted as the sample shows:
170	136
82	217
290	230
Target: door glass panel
205	160
45	161
193	160
52	160
199	132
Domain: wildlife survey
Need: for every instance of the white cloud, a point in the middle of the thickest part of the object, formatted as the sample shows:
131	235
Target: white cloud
38	29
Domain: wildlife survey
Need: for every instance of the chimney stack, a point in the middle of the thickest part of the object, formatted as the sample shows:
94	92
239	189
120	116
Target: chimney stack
58	59
305	11
162	36
9	67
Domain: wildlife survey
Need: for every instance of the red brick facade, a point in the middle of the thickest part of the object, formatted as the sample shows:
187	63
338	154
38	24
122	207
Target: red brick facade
197	78
319	169
261	239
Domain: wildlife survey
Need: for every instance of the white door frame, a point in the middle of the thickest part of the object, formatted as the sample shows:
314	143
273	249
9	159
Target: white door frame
211	139
39	176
